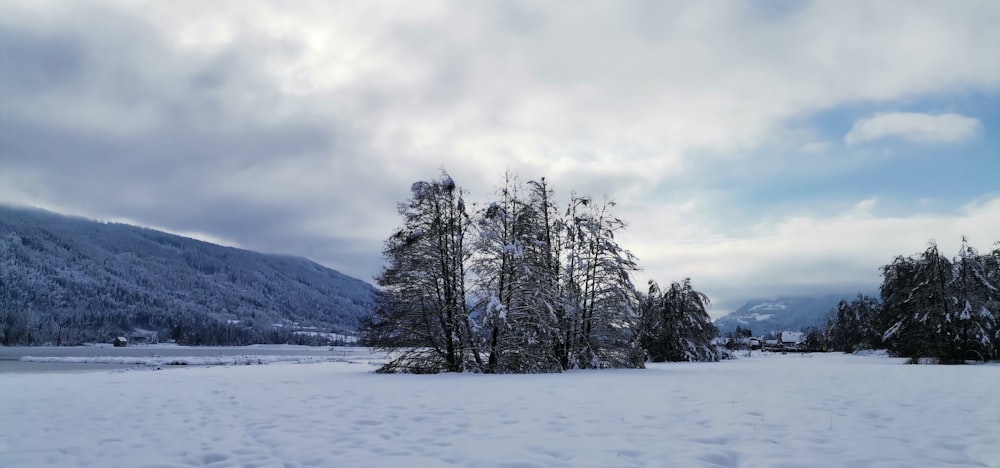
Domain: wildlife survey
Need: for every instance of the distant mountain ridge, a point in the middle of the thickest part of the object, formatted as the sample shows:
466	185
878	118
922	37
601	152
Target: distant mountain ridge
763	316
83	280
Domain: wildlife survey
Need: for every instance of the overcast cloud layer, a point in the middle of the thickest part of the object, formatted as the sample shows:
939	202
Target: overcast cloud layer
762	148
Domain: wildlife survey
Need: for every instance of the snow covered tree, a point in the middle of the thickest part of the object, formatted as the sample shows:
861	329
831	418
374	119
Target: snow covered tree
547	292
915	297
14	325
424	302
973	293
815	339
14	317
854	325
676	325
541	284
895	322
514	303
554	290
991	264
599	317
498	251
938	308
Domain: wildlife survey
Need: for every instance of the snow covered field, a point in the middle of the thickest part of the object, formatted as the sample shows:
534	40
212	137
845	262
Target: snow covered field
767	411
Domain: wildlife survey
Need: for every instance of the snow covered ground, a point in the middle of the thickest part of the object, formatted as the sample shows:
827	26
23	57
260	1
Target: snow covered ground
767	411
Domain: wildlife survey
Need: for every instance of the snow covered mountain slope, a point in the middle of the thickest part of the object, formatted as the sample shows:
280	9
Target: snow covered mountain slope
763	316
81	280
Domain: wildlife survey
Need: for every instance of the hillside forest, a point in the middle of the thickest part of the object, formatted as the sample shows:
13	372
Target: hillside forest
66	280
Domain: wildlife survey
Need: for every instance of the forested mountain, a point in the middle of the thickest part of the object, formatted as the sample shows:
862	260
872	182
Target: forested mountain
67	280
763	316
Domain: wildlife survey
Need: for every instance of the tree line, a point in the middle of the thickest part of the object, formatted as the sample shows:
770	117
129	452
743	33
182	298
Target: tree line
931	307
523	285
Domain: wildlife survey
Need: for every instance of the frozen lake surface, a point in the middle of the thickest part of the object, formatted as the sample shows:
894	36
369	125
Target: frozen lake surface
821	410
104	357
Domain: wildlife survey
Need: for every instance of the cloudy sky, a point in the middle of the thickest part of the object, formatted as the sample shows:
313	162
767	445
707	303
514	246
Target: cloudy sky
762	148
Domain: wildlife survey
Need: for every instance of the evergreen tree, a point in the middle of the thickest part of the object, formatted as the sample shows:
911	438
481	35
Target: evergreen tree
920	307
899	330
854	325
938	308
991	264
815	339
972	295
676	325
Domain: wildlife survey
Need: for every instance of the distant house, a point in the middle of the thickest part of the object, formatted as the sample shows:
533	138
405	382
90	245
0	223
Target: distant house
791	339
140	336
121	342
741	342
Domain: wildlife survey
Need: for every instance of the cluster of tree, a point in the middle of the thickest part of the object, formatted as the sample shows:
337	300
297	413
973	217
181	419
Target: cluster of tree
676	325
931	307
814	339
520	286
740	337
854	325
70	280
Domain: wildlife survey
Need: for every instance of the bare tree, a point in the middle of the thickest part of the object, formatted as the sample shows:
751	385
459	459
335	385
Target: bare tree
600	324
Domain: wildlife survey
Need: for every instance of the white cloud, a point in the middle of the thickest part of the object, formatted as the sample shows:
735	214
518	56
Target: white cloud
914	126
532	86
312	120
816	147
808	253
